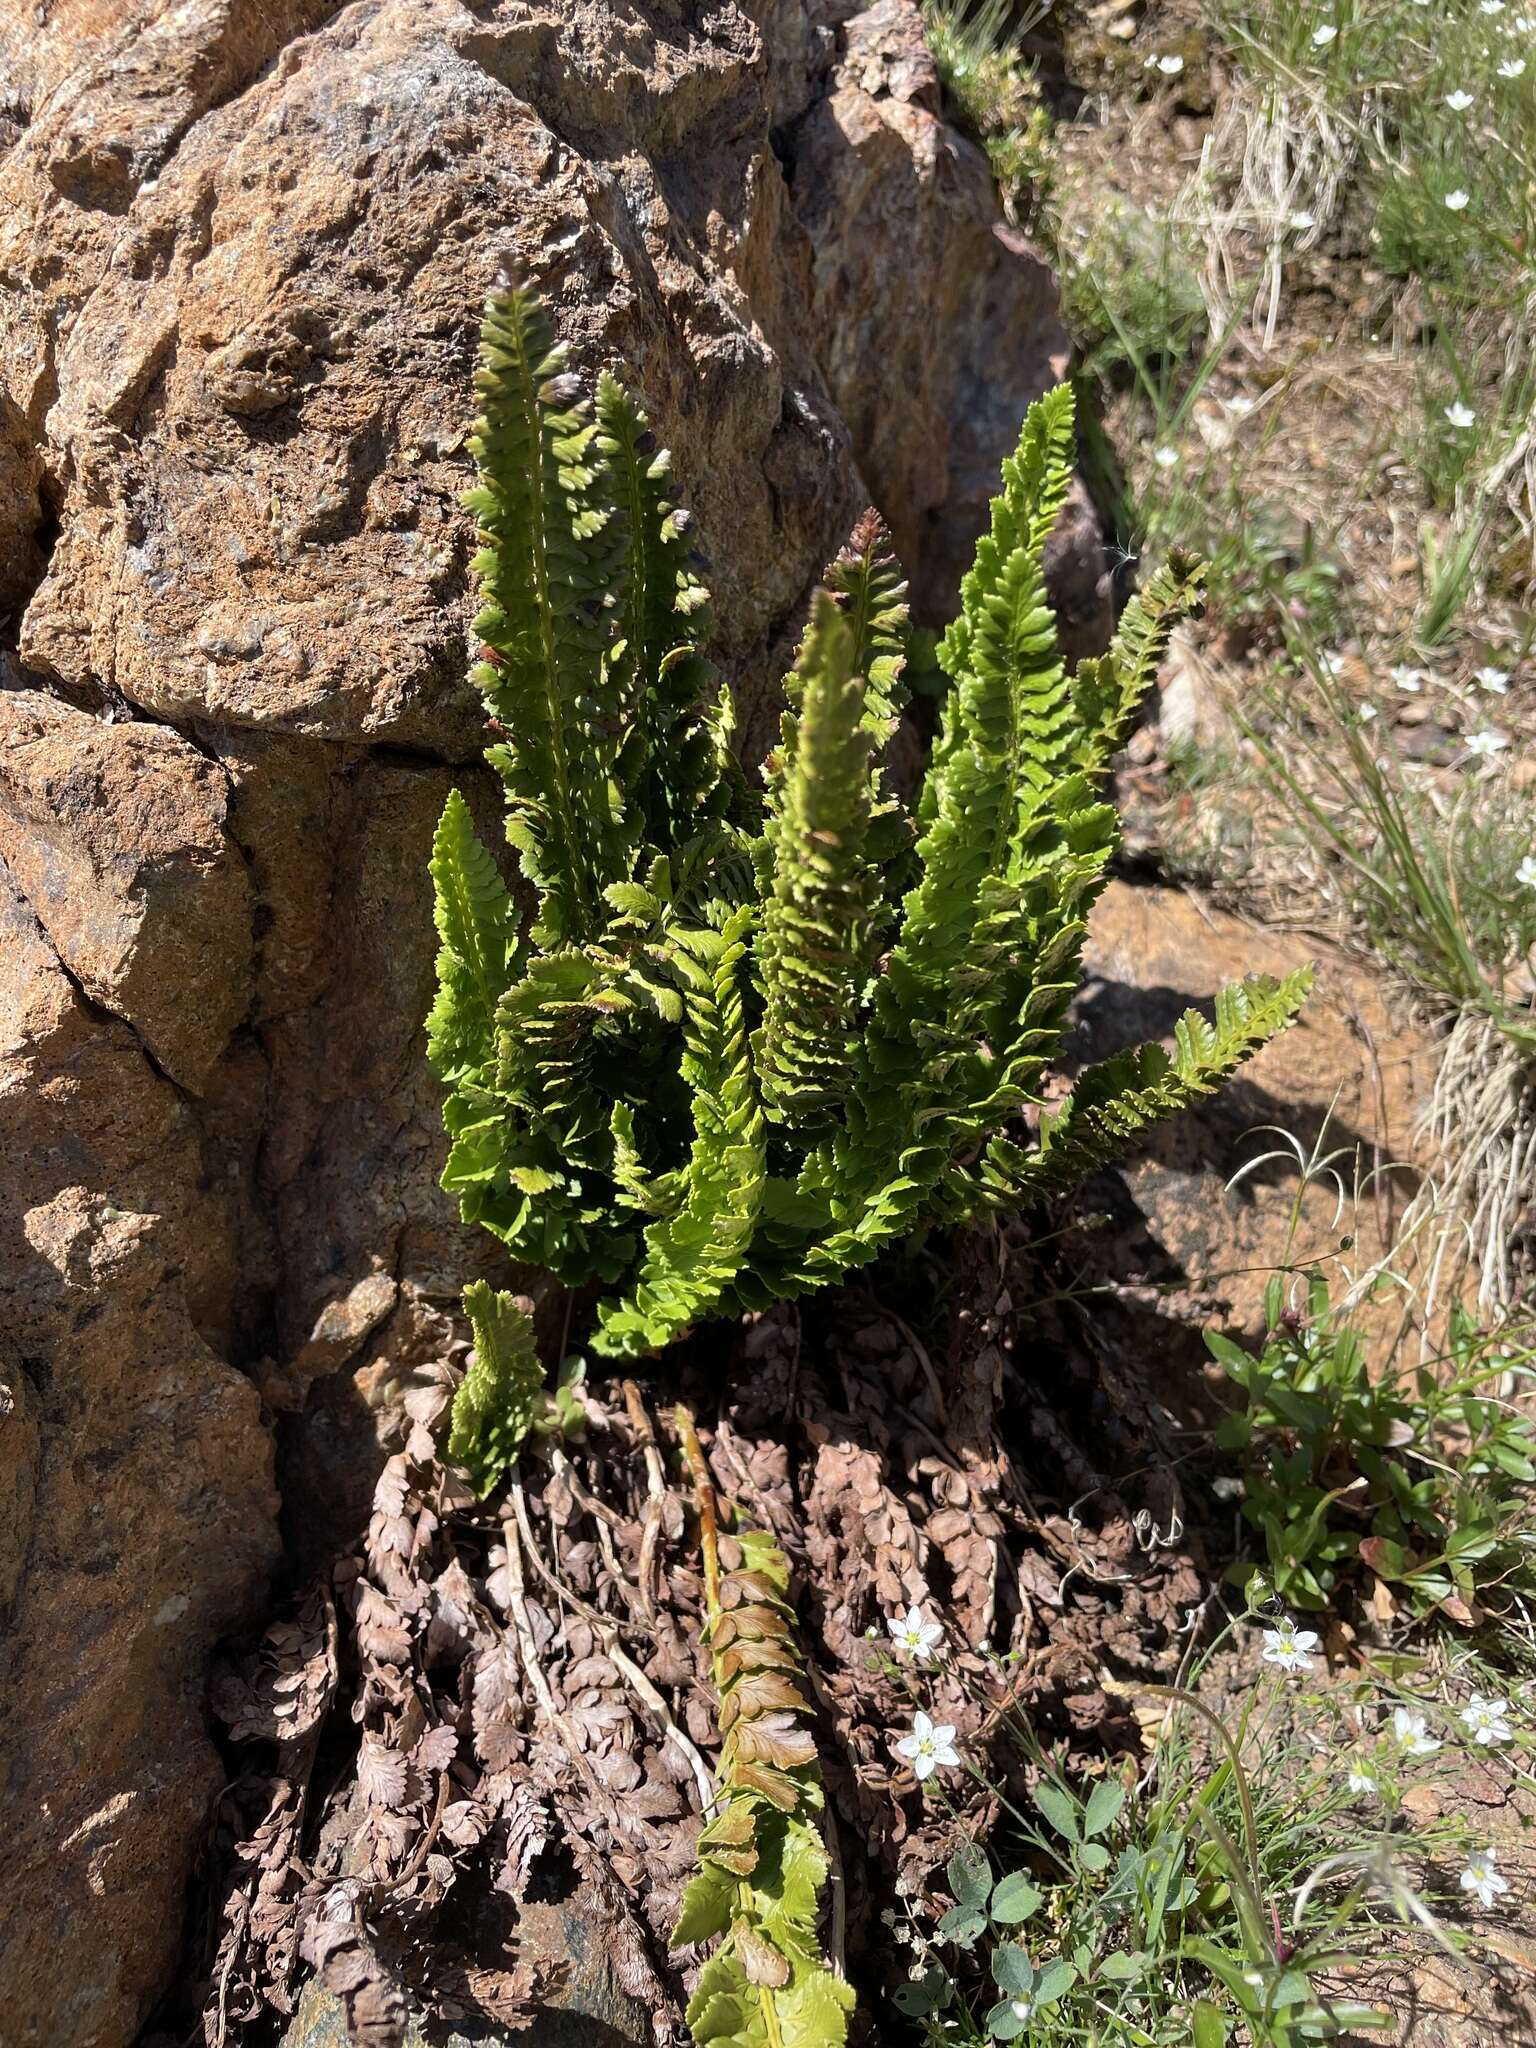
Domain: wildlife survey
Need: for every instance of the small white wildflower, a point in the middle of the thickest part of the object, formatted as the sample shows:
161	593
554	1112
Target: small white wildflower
913	1631
1460	415
1525	23
1361	1781
1165	458
930	1746
1287	1645
1458	102
1301	220
1410	1734
1367	712
1483	1877
1525	874
1323	36
1512	67
1239	407
1491	678
1331	664
1489	741
1458	200
1491	7
1487	1721
1021	2008
1409	679
1170	66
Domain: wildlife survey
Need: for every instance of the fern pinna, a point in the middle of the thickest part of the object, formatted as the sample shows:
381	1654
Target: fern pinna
743	1039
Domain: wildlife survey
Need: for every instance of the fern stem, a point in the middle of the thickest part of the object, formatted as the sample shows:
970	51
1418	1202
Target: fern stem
709	1514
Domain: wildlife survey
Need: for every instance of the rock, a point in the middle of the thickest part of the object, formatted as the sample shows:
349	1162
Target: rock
1347	1077
245	251
874	169
116	834
589	2009
140	1517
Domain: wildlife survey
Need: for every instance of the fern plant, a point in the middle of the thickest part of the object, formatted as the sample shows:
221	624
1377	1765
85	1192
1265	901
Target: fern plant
742	1040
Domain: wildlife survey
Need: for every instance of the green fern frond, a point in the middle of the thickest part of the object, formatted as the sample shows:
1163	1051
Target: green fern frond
477	927
1113	1103
1108	690
871	591
668	766
812	946
692	1256
499	1395
552	560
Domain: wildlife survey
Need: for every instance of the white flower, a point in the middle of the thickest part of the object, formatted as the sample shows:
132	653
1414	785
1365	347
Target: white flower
913	1631
1487	1721
1331	664
1489	741
1491	7
1458	414
1165	458
930	1746
1409	679
1021	2008
1287	1645
1458	102
1170	66
1323	36
1481	1876
1301	220
1367	712
1239	407
1361	1781
1491	678
1410	1733
1458	199
1525	874
1512	67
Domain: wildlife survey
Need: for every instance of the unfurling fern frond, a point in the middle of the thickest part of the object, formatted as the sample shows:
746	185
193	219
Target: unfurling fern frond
762	1868
756	1036
500	1394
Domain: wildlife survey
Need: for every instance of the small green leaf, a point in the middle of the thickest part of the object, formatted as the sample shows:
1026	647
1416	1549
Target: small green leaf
1012	1970
1207	2027
969	1872
1104	1804
962	1925
1121	1968
1059	1808
1054	1982
1014	1898
1093	1856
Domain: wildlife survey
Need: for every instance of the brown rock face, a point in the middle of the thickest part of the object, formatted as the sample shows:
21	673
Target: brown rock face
243	250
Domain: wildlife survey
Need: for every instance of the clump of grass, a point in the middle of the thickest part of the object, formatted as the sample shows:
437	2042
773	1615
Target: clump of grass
993	92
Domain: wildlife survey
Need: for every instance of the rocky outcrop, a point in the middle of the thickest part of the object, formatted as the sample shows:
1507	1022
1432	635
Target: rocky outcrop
243	250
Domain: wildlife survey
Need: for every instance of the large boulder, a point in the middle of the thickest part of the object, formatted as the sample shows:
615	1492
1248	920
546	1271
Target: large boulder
244	249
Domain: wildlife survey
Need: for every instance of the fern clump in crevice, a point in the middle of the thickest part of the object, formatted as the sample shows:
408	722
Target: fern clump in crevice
749	1038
